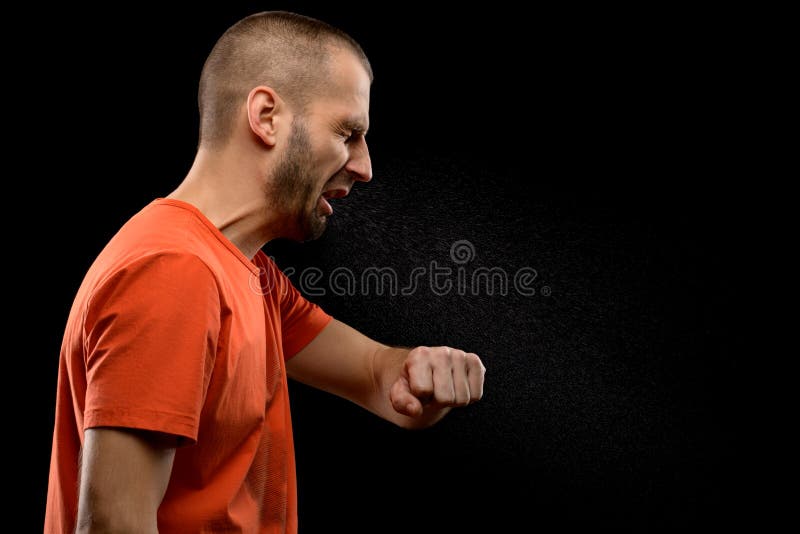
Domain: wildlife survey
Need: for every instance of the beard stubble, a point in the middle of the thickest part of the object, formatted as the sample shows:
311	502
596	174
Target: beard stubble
292	189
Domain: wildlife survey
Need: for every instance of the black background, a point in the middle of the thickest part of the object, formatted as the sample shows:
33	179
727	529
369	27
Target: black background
587	145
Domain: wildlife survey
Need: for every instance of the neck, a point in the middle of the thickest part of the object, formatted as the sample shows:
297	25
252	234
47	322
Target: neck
226	189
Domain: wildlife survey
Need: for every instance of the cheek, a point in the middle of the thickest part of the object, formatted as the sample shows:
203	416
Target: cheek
332	158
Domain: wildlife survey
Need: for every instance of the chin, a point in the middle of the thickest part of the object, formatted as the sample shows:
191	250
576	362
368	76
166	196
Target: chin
310	228
318	230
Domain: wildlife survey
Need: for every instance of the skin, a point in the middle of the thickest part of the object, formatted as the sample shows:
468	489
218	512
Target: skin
270	181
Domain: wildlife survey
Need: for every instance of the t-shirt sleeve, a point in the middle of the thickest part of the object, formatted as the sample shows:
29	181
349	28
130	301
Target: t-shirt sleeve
301	320
151	333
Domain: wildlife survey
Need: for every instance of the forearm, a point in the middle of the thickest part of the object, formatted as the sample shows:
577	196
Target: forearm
412	388
387	365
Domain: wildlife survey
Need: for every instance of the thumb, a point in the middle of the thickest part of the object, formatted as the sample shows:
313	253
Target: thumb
403	401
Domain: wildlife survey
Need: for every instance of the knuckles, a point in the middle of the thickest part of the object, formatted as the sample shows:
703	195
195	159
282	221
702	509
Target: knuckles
417	356
424	363
444	357
473	361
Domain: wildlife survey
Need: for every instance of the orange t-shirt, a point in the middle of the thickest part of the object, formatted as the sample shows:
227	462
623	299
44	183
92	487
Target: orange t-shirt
175	330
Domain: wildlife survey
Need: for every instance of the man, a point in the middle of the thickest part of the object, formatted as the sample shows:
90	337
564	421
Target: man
172	411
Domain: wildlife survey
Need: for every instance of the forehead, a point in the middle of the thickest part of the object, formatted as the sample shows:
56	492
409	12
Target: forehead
345	97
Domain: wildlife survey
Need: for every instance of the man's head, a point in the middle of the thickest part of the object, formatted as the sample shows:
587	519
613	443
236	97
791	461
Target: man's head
292	93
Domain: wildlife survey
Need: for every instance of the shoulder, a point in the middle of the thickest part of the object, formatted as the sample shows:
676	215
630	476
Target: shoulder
158	271
162	225
161	239
159	284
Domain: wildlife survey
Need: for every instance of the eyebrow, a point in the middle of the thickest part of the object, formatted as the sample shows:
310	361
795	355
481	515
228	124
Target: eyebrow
352	124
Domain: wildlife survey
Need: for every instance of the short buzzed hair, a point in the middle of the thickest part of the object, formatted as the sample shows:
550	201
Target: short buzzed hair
288	52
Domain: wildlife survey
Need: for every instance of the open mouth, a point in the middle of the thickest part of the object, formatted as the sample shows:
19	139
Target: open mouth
324	206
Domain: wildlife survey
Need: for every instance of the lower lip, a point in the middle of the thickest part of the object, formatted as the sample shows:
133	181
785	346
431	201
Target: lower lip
325	207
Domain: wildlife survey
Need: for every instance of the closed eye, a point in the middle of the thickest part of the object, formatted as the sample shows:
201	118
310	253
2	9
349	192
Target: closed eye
352	136
350	129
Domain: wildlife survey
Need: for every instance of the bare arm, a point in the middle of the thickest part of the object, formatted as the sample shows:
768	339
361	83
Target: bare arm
124	475
412	388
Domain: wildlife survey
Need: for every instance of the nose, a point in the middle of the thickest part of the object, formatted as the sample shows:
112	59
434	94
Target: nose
359	165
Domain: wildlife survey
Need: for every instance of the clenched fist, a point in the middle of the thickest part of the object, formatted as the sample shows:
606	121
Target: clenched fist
437	376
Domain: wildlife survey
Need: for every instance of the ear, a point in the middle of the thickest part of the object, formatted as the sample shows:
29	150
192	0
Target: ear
265	111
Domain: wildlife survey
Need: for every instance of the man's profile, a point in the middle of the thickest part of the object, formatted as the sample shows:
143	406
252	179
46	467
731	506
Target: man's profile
172	411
